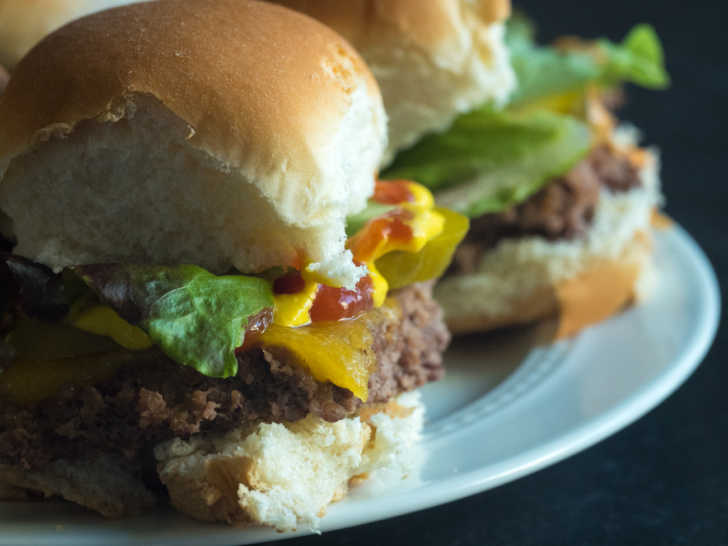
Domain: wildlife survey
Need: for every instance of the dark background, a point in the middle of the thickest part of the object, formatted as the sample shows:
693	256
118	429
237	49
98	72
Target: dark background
664	479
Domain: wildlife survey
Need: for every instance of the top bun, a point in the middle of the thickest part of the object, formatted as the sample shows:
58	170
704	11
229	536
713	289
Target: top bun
224	133
23	23
433	59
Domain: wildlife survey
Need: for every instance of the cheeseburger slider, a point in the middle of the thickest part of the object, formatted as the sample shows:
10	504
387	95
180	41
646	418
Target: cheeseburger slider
183	312
23	23
560	195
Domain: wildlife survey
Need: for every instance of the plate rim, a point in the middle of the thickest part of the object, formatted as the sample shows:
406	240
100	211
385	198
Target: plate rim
632	408
468	483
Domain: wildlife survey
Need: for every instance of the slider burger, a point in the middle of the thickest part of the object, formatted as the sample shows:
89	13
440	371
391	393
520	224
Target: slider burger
183	310
560	195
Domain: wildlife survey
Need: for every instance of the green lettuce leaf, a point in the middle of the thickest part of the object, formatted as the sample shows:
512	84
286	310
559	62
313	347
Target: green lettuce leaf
490	160
639	59
198	319
545	71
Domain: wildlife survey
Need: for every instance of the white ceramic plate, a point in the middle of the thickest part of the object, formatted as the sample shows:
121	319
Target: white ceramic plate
509	406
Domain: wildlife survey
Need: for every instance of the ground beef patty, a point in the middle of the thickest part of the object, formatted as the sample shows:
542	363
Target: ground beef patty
563	209
156	399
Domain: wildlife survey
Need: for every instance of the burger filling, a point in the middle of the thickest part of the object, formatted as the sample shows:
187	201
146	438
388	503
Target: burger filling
562	210
538	166
114	358
139	399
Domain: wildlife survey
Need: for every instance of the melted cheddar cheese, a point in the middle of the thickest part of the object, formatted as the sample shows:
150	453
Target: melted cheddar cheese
104	321
339	352
67	356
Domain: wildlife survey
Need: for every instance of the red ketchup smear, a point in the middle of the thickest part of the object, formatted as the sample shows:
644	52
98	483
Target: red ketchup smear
392	192
340	303
330	303
391	226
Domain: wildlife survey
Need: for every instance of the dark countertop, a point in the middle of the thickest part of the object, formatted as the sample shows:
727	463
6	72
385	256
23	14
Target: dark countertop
664	479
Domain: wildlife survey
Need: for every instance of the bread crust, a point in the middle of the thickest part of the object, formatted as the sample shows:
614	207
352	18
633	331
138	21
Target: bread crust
286	475
598	292
209	62
434	59
429	24
280	121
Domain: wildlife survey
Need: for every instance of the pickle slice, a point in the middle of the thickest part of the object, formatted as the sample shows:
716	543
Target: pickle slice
404	268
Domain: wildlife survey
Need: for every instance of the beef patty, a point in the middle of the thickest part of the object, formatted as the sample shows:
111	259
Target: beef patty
155	399
563	209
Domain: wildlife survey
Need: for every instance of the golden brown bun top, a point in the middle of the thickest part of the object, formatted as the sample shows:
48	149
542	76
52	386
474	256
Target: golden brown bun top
428	23
433	59
236	71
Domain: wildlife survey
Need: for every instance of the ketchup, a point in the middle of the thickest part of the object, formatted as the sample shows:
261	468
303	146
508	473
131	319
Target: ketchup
333	303
339	303
330	303
392	192
390	226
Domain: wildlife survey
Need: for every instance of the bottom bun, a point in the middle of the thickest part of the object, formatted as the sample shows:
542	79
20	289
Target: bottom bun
581	281
285	475
278	475
84	482
596	293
